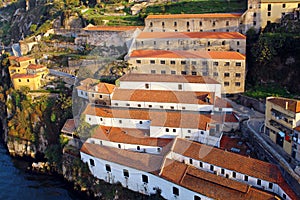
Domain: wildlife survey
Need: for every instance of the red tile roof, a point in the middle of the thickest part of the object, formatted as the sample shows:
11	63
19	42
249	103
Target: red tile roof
166	118
208	184
297	128
103	88
187	54
112	28
89	81
292	104
24	76
22	59
69	126
141	161
193	35
164	96
129	136
228	160
34	66
207	15
167	78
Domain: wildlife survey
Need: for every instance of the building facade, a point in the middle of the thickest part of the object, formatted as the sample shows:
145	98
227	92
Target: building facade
282	122
205	41
228	68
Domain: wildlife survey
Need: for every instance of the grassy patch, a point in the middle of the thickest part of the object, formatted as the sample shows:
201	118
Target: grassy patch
198	6
267	90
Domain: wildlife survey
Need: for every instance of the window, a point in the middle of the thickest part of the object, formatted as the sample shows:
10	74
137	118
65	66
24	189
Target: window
167	130
127	104
139	105
254	14
93	95
141	122
163	71
200	23
138	148
120	121
238	43
20	81
204	73
233	174
183	62
201	30
284	196
204	63
283	5
191	161
158	149
194	62
222	171
168	42
194	73
153	71
107	167
101	119
90	119
163	23
162	62
269	7
208	43
28	80
226	74
92	162
189	131
174	130
211	168
197	198
223	42
154	43
183	72
147	85
145	178
237	84
215	63
176	191
175	23
150	106
245	178
119	146
226	63
238	64
183	108
100	96
179	87
238	75
258	182
172	62
270	185
216	74
138	61
254	23
226	83
268	22
126	173
201	164
151	24
202	132
214	23
227	30
173	72
187	24
188	30
161	107
175	30
152	61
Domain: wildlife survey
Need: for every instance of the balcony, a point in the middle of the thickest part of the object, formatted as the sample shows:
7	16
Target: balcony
281	127
281	119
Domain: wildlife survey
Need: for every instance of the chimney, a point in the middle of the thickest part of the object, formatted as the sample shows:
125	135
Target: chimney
286	105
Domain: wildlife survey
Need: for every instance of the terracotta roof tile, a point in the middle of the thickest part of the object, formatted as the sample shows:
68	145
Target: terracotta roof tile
293	104
187	54
34	66
129	136
207	15
166	118
22	59
297	128
24	76
141	161
208	184
193	35
228	160
112	28
167	78
92	85
69	126
164	96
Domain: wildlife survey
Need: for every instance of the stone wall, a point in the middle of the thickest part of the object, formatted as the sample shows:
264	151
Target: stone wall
252	103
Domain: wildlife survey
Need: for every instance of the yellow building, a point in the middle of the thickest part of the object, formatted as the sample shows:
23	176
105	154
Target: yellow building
19	64
31	81
39	70
282	117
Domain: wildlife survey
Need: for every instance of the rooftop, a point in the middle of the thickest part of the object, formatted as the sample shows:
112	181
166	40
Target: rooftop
34	66
292	104
228	160
167	78
24	76
23	58
207	15
208	184
103	88
198	35
164	96
187	54
141	161
89	81
69	126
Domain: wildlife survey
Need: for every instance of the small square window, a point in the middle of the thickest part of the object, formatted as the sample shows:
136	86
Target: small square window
237	75
183	62
108	168
237	84
141	122
283	5
226	83
216	74
179	87
201	164
237	43
145	178
100	96
173	72
227	23
176	191
194	73
161	107
269	14
200	23
215	63
162	62
254	23
172	62
126	173
226	74
191	161
238	64
271	185
138	61
183	72
152	61
197	198
226	63
167	129
254	14
245	178
150	106
147	86
189	131
92	162
153	71
222	171
139	105
233	174
174	130
175	23
163	71
258	182
211	168
120	121
194	62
